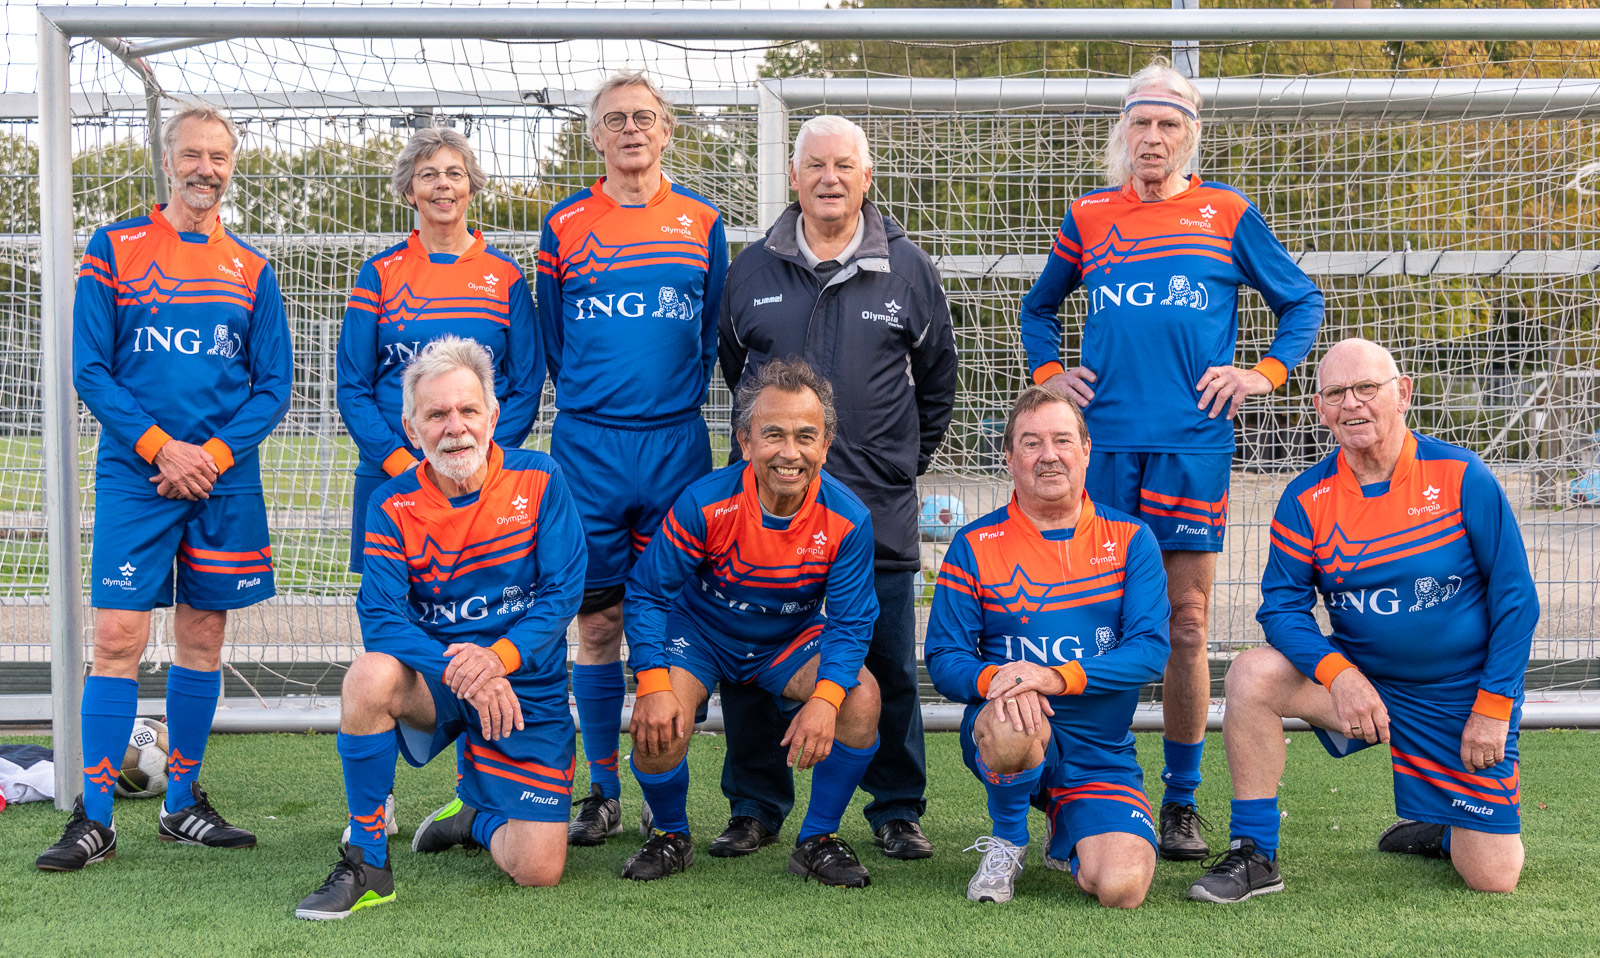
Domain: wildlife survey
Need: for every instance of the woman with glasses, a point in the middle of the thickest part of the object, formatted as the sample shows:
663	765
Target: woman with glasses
443	280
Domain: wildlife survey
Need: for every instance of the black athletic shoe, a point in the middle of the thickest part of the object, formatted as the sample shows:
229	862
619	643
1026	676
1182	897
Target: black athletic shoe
598	818
903	839
1238	874
446	828
663	854
200	824
830	860
1180	839
352	886
85	842
742	836
1407	837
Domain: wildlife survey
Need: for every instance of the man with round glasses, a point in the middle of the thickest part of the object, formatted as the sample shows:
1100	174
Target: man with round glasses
630	277
1399	533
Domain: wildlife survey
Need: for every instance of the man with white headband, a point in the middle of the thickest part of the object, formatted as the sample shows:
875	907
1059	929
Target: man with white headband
1161	255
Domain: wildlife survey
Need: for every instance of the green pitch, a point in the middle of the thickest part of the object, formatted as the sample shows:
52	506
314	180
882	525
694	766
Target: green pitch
1343	897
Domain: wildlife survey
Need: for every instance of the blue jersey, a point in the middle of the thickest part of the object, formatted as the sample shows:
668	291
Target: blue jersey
179	336
405	298
756	579
1163	282
1089	602
1404	568
627	302
501	567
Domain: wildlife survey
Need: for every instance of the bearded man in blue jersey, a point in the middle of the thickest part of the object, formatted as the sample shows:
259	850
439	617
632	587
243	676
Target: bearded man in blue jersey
1415	552
1161	256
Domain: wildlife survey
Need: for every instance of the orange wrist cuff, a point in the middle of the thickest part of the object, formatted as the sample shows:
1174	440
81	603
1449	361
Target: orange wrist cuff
220	453
1329	668
1490	705
510	657
985	677
399	461
1276	372
1046	371
651	681
150	443
1074	675
830	692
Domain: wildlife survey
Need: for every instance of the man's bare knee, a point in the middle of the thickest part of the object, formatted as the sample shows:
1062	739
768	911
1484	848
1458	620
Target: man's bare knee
536	874
1190	624
119	641
858	717
600	635
1123	891
373	684
1259	675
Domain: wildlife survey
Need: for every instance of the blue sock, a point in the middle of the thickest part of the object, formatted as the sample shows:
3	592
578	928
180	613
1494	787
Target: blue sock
191	705
833	784
107	716
668	795
599	690
368	779
1256	819
1182	772
1010	797
484	826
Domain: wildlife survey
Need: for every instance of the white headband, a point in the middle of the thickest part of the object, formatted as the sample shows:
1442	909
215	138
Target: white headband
1158	99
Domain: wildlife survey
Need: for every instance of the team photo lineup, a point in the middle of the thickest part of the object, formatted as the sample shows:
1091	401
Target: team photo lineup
786	579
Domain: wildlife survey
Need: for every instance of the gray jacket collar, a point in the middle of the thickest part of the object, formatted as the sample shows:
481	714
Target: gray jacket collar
873	254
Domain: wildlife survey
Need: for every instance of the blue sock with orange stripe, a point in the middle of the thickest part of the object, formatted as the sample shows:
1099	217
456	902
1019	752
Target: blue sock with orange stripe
368	779
668	795
599	691
1256	819
484	825
191	706
1010	797
109	706
833	784
1181	776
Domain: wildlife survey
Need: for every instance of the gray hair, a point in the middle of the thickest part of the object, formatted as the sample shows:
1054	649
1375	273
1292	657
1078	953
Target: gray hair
785	375
1158	76
1368	348
829	125
618	81
1036	397
204	112
422	146
446	355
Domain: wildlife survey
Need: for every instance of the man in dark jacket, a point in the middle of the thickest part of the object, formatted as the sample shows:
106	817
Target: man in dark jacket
838	284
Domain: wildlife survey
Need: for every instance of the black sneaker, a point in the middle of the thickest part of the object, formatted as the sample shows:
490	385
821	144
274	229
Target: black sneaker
830	860
598	818
663	854
446	828
200	824
85	842
1180	839
742	836
1407	837
352	886
1238	874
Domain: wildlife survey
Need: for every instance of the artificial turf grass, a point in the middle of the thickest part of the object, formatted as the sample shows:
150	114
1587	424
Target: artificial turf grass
1342	896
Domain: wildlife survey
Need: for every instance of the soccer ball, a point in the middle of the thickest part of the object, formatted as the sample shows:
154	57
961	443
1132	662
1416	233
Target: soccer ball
942	517
144	765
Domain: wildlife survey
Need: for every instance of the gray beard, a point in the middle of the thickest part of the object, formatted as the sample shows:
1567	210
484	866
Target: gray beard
461	469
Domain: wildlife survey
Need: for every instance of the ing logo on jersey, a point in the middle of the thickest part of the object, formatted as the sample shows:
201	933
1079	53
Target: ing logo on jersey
671	305
1180	293
1105	639
512	599
1430	591
225	343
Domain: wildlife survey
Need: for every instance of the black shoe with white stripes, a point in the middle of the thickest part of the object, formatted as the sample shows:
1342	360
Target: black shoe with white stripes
200	824
85	842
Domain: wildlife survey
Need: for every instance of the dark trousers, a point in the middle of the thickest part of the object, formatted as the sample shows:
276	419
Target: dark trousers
756	779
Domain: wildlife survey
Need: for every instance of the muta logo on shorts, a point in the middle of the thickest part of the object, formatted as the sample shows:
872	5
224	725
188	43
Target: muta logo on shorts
126	582
536	797
1430	592
1105	639
225	342
671	305
249	583
512	600
1180	293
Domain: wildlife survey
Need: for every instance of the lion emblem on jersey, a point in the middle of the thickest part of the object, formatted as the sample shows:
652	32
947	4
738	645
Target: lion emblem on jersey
672	305
225	342
512	600
1430	592
1105	639
1180	293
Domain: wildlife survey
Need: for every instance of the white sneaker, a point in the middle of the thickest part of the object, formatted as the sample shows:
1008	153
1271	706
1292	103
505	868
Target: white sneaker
1002	863
1054	864
390	826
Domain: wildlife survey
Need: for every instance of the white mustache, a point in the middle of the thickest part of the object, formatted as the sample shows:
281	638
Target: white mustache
456	445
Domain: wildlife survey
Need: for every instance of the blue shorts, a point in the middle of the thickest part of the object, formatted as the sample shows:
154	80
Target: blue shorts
526	776
219	546
623	479
1097	794
1430	783
365	487
712	658
1182	497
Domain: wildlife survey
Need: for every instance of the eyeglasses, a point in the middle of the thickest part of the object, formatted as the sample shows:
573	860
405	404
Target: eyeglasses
1334	395
643	119
429	177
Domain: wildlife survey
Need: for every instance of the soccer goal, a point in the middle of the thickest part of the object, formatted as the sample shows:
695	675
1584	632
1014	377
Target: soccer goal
1435	172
